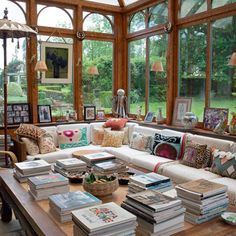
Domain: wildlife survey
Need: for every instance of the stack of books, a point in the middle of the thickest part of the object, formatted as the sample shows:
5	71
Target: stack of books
204	200
26	169
105	219
110	167
153	181
61	205
70	165
41	187
93	158
157	213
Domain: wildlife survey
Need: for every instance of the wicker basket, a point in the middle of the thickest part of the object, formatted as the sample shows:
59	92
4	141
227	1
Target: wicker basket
101	189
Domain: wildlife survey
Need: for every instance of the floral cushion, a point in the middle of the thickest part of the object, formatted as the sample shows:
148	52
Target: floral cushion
98	135
112	138
72	138
32	147
115	123
140	141
194	155
46	144
224	163
30	131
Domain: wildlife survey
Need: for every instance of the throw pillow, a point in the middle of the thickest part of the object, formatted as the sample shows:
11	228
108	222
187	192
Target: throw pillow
167	146
30	131
115	123
126	135
194	155
140	142
224	163
112	138
32	147
72	138
98	134
46	144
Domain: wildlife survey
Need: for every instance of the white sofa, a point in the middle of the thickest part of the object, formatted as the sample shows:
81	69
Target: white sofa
178	172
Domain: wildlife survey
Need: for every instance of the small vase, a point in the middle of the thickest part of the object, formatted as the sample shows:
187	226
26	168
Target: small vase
189	120
159	116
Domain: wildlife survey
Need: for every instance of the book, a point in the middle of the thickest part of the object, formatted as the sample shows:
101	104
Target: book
110	165
70	163
103	216
32	167
149	179
72	200
153	200
200	189
96	157
47	181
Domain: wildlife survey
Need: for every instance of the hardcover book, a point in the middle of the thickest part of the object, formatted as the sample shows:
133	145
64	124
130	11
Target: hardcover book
96	157
70	162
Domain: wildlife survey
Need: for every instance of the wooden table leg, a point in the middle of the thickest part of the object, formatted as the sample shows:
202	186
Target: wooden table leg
6	212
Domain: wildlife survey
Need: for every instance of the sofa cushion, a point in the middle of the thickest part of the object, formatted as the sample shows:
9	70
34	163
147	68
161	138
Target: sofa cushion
224	163
141	142
126	135
31	145
146	130
115	123
112	138
72	138
52	130
30	131
98	135
194	155
46	144
180	173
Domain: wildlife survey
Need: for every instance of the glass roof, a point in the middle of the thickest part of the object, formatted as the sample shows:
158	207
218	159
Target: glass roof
114	2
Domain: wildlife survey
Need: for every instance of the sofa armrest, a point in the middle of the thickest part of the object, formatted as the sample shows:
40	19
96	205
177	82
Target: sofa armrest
19	149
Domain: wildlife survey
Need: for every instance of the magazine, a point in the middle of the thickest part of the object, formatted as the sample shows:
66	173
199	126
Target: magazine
96	157
70	162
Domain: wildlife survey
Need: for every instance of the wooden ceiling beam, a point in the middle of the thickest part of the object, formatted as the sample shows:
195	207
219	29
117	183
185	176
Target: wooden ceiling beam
122	3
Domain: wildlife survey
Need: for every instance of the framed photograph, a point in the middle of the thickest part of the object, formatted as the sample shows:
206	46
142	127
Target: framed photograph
18	113
182	105
212	116
89	112
100	114
58	58
149	117
44	113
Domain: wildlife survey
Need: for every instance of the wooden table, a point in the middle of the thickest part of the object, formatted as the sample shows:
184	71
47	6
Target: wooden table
36	219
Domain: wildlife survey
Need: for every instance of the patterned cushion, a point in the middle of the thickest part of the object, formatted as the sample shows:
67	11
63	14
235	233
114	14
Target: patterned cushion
126	135
167	146
72	138
224	163
140	141
194	155
98	135
32	147
30	131
112	138
46	144
115	123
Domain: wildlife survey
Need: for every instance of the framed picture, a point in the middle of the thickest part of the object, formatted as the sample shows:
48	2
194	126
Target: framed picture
100	114
182	105
149	117
44	113
89	112
18	113
212	116
58	58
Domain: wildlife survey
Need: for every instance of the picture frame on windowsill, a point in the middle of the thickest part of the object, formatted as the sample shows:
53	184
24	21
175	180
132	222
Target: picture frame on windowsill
149	117
89	112
44	114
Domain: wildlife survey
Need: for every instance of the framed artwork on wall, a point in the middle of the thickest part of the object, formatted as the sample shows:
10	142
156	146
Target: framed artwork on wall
212	116
149	117
18	113
44	113
182	105
89	113
58	58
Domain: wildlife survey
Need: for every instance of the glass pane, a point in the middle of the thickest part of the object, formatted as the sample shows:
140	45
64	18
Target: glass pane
59	96
223	79
110	2
159	15
54	17
127	2
158	77
192	66
137	65
219	3
98	73
137	22
97	23
191	7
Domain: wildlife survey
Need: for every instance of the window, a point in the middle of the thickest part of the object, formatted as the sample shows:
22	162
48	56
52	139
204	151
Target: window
97	23
191	7
192	66
217	3
137	22
98	73
223	77
137	78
